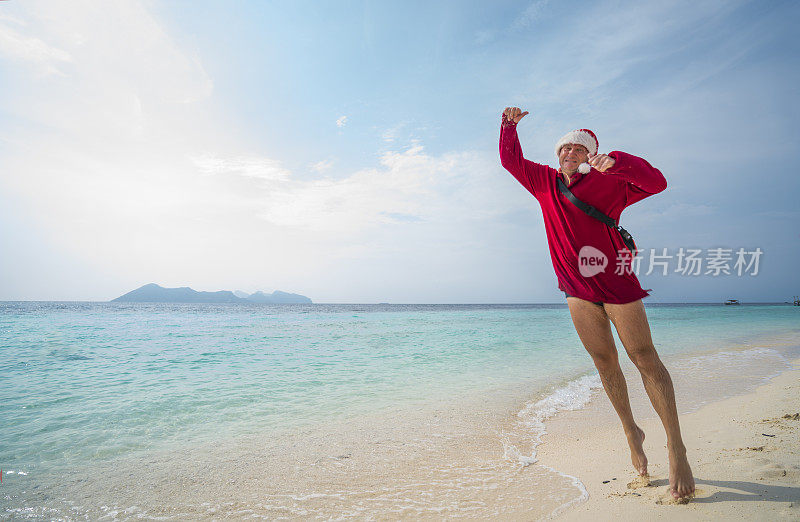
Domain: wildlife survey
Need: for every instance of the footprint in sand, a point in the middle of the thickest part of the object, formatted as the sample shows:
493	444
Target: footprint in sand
642	481
774	470
668	500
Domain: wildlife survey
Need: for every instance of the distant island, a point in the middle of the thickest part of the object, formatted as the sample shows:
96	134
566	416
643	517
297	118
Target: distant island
153	293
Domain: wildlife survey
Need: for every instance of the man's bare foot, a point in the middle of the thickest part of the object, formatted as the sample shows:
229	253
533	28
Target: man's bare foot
638	458
681	481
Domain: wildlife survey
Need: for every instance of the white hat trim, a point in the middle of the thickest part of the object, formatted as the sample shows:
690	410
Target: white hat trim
578	138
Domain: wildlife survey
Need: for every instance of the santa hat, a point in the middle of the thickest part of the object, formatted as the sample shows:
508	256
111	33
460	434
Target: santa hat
583	137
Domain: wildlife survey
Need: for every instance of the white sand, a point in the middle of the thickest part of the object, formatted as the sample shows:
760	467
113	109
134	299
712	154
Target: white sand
744	452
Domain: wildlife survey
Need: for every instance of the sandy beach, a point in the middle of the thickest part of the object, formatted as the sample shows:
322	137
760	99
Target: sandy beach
744	451
512	450
739	414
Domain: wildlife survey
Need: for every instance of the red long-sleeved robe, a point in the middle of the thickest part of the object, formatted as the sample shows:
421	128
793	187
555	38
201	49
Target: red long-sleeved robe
569	229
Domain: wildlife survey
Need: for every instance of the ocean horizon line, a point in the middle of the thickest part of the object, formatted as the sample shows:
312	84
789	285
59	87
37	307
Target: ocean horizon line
353	303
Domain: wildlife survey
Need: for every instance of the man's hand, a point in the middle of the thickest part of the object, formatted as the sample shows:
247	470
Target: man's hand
601	162
514	114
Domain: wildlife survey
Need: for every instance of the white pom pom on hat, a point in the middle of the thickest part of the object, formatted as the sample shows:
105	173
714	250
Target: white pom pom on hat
583	137
584	168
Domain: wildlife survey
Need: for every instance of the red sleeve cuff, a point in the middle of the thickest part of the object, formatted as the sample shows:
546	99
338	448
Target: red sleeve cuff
505	122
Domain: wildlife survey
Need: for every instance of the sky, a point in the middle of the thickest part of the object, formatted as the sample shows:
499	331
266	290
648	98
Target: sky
347	151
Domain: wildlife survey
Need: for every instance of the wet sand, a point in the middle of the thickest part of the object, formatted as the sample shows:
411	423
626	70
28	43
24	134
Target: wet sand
440	461
744	452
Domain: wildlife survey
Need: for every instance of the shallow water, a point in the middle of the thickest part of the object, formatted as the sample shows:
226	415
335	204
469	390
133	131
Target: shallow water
298	404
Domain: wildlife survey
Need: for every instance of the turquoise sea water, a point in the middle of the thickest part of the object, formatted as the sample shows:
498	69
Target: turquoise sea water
89	382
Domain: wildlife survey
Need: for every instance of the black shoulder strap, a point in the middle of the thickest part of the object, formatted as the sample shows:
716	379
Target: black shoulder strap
593	212
587	208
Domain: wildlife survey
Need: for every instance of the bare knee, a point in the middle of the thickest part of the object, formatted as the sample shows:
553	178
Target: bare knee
646	359
605	360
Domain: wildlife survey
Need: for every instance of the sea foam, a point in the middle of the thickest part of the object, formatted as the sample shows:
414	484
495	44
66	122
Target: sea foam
573	396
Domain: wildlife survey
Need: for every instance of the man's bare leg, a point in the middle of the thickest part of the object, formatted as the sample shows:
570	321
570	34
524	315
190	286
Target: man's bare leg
633	329
593	328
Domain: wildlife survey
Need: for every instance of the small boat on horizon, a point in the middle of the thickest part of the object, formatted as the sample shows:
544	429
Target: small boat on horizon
732	302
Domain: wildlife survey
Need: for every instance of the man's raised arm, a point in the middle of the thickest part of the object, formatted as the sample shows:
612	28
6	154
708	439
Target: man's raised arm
528	173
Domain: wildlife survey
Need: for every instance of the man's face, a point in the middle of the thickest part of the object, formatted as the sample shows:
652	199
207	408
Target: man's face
572	155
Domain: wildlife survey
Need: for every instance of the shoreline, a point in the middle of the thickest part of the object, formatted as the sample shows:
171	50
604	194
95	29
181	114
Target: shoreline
744	450
474	458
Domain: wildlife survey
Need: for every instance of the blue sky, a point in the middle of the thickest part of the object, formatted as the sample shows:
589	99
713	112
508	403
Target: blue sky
348	150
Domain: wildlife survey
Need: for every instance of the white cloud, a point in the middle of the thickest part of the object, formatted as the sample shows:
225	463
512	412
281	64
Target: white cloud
389	135
408	186
358	201
531	13
115	153
251	167
103	112
601	62
105	72
322	166
31	51
120	165
392	133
